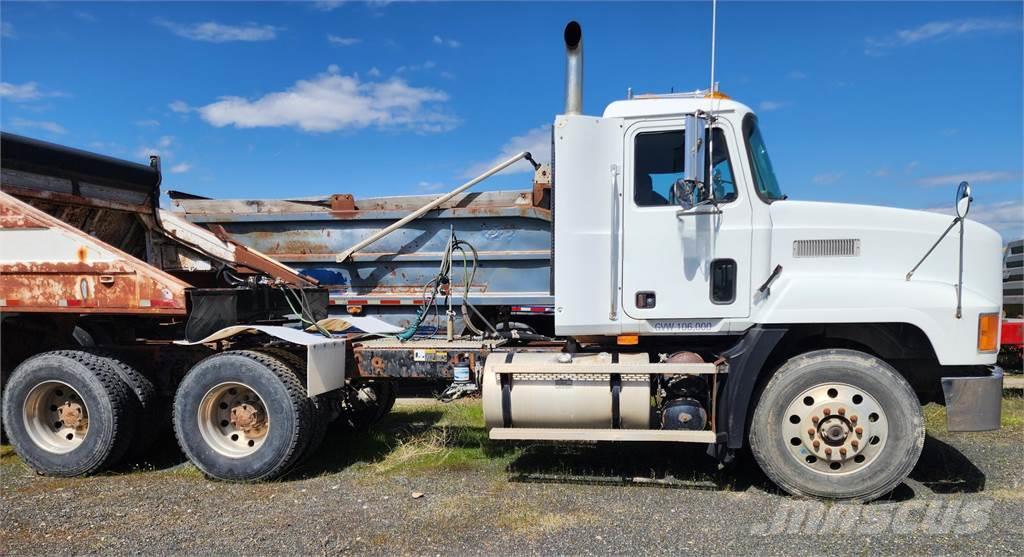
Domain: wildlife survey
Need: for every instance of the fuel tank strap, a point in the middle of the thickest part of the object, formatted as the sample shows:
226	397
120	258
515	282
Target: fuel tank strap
616	385
506	394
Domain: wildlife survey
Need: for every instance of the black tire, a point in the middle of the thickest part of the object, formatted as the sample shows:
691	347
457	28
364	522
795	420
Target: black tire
322	412
154	417
359	414
109	402
875	383
291	415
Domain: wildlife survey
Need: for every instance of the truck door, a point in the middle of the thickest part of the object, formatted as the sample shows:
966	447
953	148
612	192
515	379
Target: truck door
695	264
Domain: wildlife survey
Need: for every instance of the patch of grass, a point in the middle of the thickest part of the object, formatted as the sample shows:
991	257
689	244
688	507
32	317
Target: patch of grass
415	438
525	519
520	516
456	440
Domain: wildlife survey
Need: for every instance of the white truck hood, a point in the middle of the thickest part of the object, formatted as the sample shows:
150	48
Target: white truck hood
890	242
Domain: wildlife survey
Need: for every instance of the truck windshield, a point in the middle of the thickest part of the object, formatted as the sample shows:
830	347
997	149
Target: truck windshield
764	177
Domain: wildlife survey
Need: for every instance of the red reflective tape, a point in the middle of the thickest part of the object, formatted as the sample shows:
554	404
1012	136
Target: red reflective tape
357	302
391	302
162	303
538	310
71	302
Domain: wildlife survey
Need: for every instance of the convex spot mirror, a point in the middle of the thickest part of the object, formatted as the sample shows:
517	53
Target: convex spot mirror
963	199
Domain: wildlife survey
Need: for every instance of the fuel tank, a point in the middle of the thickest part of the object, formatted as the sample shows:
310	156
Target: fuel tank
554	390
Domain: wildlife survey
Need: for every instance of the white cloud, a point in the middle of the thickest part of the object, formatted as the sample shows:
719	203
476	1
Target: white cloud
429	187
1003	216
7	30
85	16
827	178
179	106
52	127
374	72
447	75
881	172
161	148
26	92
147	123
976	177
797	74
213	32
940	30
181	168
343	41
428	65
537	141
768	106
328	5
450	43
331	102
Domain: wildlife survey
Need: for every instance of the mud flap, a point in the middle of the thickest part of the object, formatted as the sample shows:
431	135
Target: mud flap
974	403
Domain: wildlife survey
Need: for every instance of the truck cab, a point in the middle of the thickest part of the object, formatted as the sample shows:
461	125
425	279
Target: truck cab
743	254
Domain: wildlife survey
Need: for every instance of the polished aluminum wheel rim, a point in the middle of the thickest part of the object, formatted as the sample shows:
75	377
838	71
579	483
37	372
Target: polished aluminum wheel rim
233	420
835	428
55	416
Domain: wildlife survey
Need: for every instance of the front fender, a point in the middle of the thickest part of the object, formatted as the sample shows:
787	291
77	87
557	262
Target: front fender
928	305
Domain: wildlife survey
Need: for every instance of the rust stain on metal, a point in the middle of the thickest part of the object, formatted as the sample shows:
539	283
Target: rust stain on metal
70	286
70	199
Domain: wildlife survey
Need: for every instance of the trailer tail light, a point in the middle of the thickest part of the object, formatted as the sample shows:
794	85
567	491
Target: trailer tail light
988	332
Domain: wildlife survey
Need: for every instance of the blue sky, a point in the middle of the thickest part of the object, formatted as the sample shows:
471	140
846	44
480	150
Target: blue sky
868	102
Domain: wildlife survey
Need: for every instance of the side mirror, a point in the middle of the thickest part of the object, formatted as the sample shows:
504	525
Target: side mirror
693	154
963	199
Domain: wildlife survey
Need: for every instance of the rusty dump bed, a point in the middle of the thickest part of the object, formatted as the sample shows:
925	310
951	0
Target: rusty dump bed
511	231
83	233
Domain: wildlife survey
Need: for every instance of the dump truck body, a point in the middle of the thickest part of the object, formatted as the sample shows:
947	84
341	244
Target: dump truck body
511	231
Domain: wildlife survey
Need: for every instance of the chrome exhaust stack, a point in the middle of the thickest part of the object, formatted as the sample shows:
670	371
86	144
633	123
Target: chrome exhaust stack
573	68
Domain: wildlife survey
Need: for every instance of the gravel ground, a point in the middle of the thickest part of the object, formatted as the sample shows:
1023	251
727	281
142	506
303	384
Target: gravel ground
357	497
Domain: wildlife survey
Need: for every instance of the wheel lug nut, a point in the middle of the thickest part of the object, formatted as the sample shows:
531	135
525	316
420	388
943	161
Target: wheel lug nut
853	419
855	443
842	411
814	419
816	444
842	451
810	431
826	411
859	430
828	451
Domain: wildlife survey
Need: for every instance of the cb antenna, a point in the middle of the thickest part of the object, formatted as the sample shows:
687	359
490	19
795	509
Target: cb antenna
712	94
714	24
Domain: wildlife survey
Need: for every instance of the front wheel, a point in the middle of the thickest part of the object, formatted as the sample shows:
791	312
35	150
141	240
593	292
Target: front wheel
837	424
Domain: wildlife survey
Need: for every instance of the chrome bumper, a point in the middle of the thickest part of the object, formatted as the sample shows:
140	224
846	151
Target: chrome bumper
974	403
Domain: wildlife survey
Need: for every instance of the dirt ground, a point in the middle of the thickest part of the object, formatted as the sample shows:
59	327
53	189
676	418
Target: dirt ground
427	481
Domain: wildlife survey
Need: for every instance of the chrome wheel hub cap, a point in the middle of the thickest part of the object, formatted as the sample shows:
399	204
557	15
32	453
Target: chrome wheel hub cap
835	428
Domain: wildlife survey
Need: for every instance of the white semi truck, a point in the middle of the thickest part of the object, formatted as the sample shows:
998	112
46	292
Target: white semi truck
691	301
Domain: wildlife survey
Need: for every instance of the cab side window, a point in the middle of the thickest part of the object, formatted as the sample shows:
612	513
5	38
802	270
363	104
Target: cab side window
659	163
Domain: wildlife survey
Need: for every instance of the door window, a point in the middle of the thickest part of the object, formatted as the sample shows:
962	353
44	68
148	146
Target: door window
659	163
